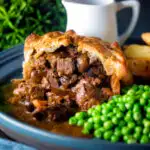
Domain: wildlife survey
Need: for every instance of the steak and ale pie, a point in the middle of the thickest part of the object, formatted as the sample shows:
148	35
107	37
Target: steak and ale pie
65	72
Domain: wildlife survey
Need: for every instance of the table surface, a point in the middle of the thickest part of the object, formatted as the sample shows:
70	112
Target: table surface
142	26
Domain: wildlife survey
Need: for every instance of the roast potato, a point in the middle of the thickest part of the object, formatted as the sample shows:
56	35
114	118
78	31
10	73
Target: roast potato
138	58
146	37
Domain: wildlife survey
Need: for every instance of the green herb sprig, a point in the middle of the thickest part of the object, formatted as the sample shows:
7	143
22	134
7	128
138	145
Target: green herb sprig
19	18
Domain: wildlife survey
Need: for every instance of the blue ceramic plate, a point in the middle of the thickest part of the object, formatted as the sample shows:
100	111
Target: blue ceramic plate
9	145
11	67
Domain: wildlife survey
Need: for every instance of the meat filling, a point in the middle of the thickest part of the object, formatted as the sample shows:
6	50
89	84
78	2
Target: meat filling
62	81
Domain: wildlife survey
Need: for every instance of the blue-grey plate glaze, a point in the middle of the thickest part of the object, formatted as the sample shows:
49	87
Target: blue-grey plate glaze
11	67
9	145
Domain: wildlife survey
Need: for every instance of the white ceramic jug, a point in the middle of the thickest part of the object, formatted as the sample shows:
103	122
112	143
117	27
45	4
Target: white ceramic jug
98	18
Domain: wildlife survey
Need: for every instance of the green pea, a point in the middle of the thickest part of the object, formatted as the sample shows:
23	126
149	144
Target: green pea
122	107
125	130
119	115
136	108
146	88
114	138
130	98
85	131
97	119
90	111
141	87
146	95
103	105
108	134
97	126
115	110
91	120
135	87
80	122
117	132
108	125
115	120
148	116
131	140
130	92
72	121
105	111
124	98
129	105
102	129
115	97
148	109
104	118
146	130
95	113
128	116
88	126
98	108
138	129
144	139
120	99
98	133
122	123
81	115
137	116
137	136
146	123
109	107
131	125
142	101
111	114
125	138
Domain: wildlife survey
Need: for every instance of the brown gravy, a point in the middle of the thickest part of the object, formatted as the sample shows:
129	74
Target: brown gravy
19	112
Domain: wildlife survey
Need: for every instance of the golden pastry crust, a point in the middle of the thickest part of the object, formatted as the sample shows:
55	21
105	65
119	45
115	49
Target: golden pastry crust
146	37
110	55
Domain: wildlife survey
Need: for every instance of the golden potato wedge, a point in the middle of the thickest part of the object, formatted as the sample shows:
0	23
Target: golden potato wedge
139	67
146	37
138	58
137	51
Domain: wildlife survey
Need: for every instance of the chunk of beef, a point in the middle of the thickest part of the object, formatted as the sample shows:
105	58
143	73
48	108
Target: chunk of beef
72	52
36	92
53	99
82	63
37	75
60	112
50	80
65	66
22	90
40	62
95	81
52	59
87	94
67	81
57	113
29	91
59	96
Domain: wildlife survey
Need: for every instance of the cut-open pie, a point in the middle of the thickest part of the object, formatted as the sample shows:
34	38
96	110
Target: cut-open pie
65	71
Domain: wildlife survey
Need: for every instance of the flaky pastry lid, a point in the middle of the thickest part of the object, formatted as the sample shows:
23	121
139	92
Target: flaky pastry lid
110	55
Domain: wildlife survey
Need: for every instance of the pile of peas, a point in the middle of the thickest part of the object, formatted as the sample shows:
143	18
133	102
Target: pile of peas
125	117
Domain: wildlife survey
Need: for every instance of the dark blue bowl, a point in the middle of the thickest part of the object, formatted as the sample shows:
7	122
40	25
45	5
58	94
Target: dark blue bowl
11	67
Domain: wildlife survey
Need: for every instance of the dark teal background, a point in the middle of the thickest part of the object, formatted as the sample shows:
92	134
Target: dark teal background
143	24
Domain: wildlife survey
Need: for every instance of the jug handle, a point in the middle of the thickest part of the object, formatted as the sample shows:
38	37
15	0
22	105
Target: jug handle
135	5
